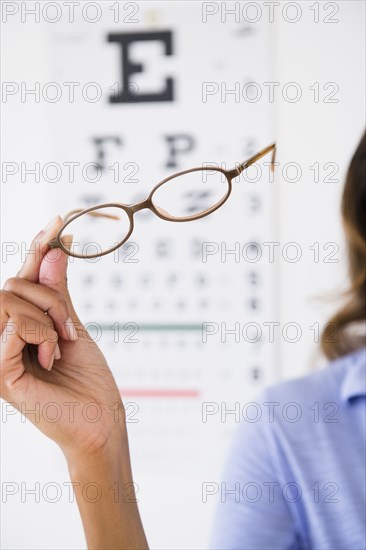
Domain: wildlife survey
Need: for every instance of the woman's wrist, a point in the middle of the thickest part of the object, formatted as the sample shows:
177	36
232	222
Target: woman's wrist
107	440
103	479
106	495
108	454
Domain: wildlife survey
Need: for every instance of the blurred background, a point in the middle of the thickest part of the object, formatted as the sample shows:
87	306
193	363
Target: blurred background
102	100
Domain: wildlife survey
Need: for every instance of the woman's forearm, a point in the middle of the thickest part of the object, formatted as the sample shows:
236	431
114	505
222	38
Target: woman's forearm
105	495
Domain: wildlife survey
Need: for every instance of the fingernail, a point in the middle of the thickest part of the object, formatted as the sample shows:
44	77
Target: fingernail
51	224
49	231
51	362
70	329
57	352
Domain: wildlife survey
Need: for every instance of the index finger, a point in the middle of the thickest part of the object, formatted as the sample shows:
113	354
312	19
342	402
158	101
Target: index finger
38	249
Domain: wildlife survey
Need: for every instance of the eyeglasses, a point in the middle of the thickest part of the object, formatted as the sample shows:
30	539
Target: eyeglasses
182	197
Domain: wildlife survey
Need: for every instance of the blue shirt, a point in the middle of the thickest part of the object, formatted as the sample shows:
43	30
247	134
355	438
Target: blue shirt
295	477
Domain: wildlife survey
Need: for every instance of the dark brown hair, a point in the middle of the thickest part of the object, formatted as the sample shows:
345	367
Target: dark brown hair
340	335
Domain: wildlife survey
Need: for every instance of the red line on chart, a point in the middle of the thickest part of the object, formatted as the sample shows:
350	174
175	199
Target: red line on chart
159	393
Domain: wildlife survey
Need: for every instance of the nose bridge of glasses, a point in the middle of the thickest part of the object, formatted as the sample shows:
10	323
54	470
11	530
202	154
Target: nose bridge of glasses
140	205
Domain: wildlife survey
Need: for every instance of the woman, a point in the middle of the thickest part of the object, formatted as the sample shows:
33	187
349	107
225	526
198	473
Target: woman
295	478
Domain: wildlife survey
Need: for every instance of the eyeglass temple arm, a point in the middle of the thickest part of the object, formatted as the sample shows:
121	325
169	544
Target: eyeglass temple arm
54	243
239	169
92	213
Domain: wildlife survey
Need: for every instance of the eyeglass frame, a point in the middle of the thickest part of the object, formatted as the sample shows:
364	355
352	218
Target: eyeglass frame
147	203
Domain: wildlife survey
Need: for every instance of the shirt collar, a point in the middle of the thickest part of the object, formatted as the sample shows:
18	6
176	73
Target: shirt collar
354	381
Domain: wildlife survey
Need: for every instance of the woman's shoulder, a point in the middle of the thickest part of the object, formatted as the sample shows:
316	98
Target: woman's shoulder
305	408
340	380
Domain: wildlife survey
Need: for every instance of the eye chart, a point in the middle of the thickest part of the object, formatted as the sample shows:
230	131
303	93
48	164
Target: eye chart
147	90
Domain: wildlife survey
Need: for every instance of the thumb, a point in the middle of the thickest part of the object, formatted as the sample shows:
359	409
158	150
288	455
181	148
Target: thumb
53	274
37	250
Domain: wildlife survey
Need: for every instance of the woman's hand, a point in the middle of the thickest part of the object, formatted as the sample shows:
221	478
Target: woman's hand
49	363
